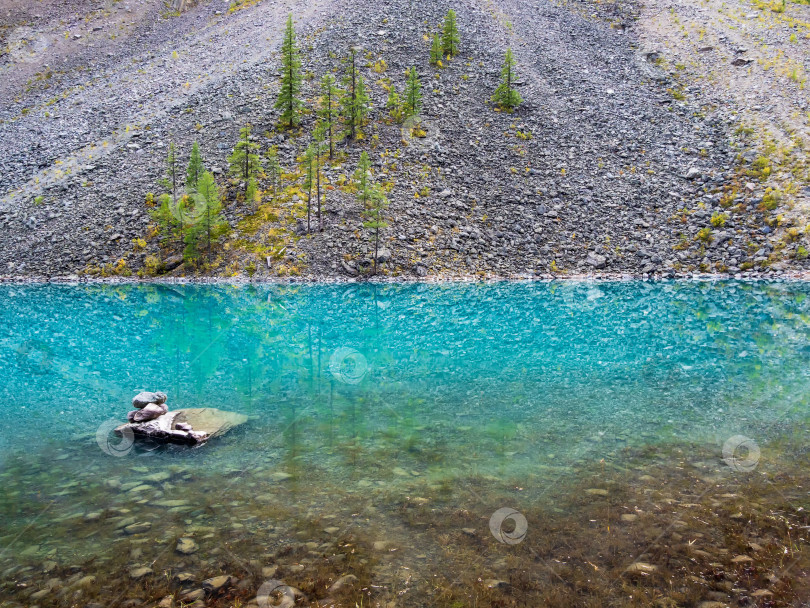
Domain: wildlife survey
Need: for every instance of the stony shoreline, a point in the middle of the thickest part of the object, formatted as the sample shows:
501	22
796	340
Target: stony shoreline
784	276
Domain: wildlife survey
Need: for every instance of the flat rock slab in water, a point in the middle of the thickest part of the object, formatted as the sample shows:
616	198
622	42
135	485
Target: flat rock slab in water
206	423
210	420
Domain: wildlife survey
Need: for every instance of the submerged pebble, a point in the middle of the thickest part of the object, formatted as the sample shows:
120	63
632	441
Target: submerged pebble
138	528
218	583
140	572
187	546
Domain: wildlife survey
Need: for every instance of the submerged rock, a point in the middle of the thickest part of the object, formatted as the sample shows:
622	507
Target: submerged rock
194	595
166	602
184	579
218	583
138	528
186	546
140	572
344	581
642	568
211	421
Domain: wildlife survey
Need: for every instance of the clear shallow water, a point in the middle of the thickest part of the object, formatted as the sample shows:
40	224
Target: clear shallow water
364	399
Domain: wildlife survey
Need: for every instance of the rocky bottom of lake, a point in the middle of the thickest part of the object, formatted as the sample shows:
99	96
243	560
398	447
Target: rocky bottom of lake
664	525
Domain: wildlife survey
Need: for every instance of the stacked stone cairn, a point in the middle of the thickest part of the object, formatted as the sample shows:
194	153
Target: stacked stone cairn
149	406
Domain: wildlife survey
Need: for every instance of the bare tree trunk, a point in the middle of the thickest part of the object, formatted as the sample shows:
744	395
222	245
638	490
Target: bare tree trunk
509	85
318	181
376	246
309	196
331	118
354	98
208	228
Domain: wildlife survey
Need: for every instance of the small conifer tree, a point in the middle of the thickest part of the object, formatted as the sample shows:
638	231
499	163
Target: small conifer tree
319	135
195	168
413	94
355	101
165	219
289	100
450	38
252	194
374	202
244	162
209	224
505	96
329	109
394	104
362	178
170	205
309	179
374	218
436	50
172	172
273	169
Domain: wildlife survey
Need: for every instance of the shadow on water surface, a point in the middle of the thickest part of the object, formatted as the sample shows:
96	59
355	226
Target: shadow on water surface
652	436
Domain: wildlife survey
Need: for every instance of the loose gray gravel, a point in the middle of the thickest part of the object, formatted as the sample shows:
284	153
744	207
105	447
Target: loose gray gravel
615	175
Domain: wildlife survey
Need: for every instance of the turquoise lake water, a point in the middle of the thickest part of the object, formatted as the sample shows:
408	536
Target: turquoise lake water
362	399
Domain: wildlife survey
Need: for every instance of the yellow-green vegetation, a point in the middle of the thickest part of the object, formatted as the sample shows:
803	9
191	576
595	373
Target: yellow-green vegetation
151	266
771	199
760	168
704	234
236	5
119	269
785	67
718	220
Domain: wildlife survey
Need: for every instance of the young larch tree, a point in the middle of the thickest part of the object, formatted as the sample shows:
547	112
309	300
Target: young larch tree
244	162
170	212
195	168
329	108
413	94
450	38
209	225
309	179
289	100
505	96
319	135
436	50
273	169
373	199
355	100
